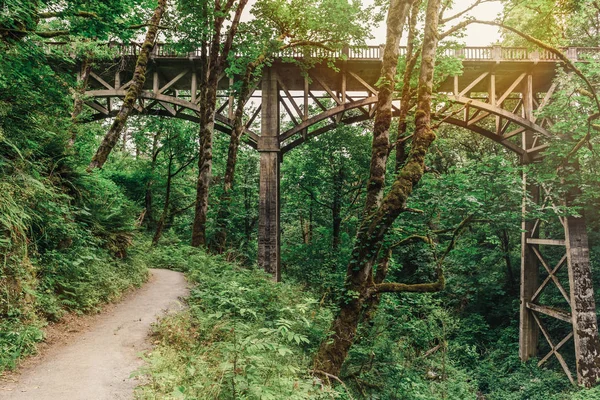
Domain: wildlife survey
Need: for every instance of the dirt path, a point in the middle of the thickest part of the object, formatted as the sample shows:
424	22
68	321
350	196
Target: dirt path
96	364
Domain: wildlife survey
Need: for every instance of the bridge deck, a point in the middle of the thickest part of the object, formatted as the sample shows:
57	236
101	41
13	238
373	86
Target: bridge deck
506	63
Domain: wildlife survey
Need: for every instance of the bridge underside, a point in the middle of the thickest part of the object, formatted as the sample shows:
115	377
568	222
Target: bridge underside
488	94
498	99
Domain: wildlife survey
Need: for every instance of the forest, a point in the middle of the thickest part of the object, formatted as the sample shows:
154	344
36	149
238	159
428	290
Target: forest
414	220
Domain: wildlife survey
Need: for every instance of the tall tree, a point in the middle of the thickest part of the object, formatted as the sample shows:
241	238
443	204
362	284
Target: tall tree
133	92
283	25
379	215
214	57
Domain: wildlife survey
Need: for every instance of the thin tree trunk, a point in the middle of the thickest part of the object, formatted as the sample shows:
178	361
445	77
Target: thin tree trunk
304	229
204	166
149	215
161	222
311	217
359	276
336	208
505	246
86	69
166	213
234	143
216	64
133	92
411	62
248	209
383	117
124	141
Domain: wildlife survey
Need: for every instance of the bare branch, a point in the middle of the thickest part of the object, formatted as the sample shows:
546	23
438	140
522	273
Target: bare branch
233	28
138	26
330	376
463	12
457	231
314	198
392	287
452	114
183	166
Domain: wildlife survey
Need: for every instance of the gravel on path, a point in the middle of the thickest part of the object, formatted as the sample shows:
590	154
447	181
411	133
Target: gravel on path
97	364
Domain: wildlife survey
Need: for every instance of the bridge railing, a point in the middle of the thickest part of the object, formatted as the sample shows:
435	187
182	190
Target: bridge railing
489	53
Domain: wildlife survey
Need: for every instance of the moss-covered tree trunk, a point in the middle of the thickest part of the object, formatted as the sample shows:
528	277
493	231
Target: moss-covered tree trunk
407	92
148	198
133	92
84	79
215	66
360	283
207	117
372	303
383	117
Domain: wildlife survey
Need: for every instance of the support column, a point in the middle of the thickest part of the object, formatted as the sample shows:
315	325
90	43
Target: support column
528	329
583	307
269	148
582	315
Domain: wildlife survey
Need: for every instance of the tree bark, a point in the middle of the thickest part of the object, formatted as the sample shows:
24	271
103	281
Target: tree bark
161	222
332	353
216	64
359	276
505	247
149	215
411	62
133	92
249	222
86	68
383	117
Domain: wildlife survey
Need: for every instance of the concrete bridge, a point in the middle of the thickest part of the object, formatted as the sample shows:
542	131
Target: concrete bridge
499	94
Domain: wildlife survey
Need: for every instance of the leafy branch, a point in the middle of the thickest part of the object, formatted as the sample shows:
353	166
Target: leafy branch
394	287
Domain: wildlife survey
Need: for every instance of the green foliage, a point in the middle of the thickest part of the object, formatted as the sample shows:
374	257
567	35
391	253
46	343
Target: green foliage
242	336
63	235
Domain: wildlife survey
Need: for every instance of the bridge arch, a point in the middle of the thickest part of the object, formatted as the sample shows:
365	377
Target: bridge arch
159	104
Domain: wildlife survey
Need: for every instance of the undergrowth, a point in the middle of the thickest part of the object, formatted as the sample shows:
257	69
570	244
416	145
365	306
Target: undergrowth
63	248
242	336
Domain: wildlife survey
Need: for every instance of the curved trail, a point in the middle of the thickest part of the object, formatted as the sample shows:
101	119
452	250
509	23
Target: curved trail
96	365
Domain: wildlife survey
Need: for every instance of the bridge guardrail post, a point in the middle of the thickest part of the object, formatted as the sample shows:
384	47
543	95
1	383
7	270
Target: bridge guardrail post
496	53
459	53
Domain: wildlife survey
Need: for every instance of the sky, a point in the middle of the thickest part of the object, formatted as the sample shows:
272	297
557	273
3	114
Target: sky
476	35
